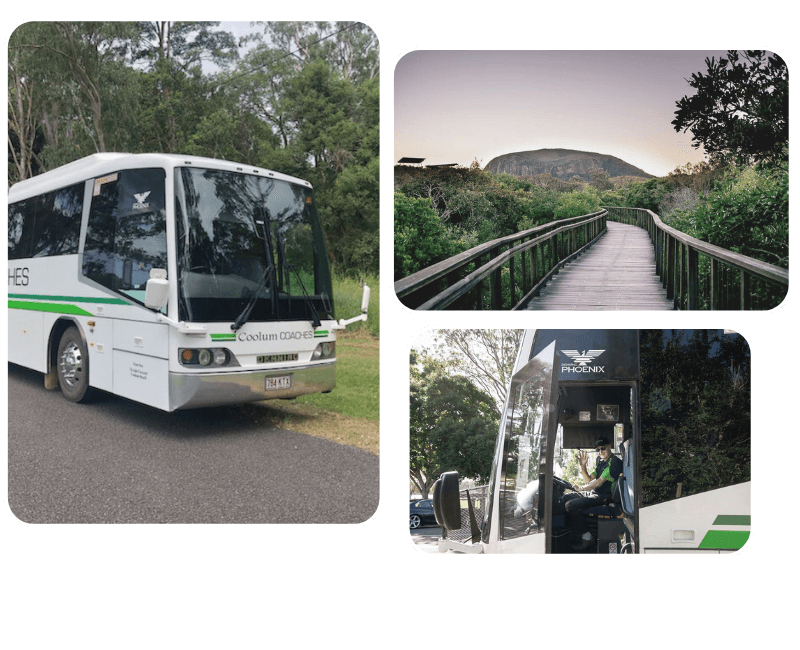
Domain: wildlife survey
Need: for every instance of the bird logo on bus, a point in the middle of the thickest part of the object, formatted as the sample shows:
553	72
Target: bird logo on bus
583	358
140	201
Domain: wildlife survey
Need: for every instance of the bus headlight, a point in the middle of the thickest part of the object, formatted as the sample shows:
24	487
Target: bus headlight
206	357
326	350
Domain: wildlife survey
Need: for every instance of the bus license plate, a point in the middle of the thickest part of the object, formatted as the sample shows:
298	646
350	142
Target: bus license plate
279	383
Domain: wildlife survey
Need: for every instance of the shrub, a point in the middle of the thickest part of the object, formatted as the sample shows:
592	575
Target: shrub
576	204
748	212
647	195
420	238
680	199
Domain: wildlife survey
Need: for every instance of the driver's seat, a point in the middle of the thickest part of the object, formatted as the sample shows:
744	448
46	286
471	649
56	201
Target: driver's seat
608	520
610	525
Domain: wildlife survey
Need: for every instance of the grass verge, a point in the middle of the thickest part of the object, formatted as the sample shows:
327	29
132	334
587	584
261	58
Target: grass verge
350	414
347	294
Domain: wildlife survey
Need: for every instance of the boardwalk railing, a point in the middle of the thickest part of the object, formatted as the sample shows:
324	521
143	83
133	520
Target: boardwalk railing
503	273
698	275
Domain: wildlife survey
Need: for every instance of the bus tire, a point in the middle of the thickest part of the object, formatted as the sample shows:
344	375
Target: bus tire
72	363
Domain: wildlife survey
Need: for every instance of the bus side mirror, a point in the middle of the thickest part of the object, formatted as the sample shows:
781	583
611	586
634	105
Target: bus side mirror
341	324
447	501
156	292
365	300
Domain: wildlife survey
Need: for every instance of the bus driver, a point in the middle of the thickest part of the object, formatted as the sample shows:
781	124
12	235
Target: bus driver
595	492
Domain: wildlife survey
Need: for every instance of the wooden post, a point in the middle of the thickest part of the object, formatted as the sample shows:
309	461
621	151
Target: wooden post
745	290
693	277
714	298
511	279
681	275
497	287
669	263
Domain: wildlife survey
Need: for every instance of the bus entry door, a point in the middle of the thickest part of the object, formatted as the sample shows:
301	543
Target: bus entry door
524	490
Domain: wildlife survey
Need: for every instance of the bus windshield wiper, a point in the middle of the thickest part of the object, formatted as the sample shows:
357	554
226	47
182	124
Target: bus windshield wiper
241	319
259	219
315	321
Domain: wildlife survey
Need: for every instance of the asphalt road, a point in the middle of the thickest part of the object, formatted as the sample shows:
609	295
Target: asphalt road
115	461
426	538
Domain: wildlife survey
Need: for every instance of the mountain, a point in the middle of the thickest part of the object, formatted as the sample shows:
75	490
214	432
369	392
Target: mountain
561	163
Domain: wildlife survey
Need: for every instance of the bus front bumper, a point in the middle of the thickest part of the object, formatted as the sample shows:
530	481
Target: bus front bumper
197	390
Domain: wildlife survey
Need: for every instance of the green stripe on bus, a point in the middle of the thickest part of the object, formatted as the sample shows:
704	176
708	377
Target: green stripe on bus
47	306
105	301
732	520
725	539
320	333
223	337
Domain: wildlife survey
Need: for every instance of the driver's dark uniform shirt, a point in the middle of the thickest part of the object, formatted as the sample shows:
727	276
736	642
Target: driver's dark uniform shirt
610	470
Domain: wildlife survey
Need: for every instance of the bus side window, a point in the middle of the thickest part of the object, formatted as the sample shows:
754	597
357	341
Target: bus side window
58	222
46	225
21	223
126	232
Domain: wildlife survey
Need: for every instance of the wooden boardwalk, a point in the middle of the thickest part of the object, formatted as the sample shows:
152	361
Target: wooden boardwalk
617	273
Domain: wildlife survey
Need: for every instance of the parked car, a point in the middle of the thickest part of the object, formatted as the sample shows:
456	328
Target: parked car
421	513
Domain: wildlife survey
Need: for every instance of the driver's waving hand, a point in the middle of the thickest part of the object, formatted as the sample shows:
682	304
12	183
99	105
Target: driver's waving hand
596	491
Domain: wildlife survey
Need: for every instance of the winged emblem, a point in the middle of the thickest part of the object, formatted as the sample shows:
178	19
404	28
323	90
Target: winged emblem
583	358
141	198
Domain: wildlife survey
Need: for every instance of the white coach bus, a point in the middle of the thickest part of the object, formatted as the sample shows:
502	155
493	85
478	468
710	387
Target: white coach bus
674	406
174	281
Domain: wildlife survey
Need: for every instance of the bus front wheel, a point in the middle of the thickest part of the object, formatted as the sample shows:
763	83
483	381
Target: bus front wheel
73	366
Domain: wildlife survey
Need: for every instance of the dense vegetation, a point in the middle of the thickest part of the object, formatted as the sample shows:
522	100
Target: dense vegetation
301	98
453	424
695	412
442	212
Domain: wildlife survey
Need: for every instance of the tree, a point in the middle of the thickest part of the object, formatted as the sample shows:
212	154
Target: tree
174	93
305	102
316	85
79	97
351	48
85	50
22	119
485	357
452	425
740	112
186	44
351	217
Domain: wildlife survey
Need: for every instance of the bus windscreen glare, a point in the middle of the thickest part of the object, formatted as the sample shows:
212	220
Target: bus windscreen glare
233	230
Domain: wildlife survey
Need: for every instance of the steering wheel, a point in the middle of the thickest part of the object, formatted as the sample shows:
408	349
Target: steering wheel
560	482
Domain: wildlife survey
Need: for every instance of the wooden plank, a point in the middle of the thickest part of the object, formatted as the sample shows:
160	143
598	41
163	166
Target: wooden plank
617	273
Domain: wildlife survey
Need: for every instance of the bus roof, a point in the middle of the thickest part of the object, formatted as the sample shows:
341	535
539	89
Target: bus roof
100	164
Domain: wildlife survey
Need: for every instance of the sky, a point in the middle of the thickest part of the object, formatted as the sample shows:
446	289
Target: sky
458	106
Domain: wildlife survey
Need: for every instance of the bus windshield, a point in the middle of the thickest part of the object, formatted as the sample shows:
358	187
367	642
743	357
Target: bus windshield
234	230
